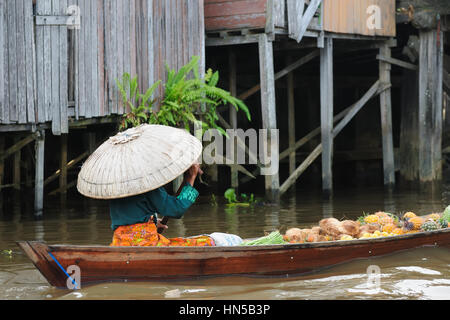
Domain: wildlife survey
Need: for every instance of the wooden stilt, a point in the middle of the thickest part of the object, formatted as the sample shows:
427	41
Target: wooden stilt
2	168
16	165
233	113
326	113
268	108
39	174
386	119
63	165
291	118
409	138
430	105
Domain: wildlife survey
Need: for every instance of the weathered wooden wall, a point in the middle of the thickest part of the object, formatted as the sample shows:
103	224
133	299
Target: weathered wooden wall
235	14
72	72
16	62
350	17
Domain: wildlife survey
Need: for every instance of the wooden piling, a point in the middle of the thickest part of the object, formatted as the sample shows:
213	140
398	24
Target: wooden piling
386	118
291	118
409	137
233	114
430	105
63	165
16	165
326	113
268	107
39	174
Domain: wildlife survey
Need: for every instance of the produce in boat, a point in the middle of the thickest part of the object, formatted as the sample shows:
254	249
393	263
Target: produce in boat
331	226
434	216
389	227
386	220
295	235
443	223
430	225
273	238
371	218
414	223
398	231
409	215
350	228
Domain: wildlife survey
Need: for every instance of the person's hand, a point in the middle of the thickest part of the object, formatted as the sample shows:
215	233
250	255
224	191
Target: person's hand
192	172
160	225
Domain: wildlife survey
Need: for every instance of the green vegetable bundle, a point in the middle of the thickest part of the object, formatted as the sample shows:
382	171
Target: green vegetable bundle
273	238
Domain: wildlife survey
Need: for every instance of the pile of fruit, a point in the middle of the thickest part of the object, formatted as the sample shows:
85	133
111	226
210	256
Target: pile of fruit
379	224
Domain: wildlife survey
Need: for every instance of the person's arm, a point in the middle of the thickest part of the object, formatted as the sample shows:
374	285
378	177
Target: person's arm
173	206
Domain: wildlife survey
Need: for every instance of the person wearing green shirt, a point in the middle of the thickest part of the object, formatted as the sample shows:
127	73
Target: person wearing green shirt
135	221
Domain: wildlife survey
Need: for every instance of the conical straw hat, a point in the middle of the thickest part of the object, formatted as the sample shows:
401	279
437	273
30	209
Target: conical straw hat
138	160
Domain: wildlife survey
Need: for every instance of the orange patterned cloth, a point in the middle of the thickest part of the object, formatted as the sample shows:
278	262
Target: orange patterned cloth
146	235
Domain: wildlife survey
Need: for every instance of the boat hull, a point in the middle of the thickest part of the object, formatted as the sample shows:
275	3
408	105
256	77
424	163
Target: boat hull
105	263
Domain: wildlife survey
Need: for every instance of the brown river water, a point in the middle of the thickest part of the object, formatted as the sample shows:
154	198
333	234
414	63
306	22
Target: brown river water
422	273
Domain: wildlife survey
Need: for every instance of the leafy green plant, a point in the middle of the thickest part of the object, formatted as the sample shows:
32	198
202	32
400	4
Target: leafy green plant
140	104
188	100
243	201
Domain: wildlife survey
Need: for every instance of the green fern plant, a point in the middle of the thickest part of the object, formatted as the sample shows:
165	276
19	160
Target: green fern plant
140	104
189	99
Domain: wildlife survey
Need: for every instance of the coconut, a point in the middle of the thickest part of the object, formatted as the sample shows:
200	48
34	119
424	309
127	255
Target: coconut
331	226
368	228
316	230
350	228
294	234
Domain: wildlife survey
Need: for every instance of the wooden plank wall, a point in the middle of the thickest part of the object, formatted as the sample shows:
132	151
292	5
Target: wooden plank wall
115	36
178	35
350	17
235	14
52	66
16	62
139	37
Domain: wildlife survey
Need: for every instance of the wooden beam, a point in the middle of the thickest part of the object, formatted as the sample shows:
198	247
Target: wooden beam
63	164
386	119
375	90
17	146
281	73
16	166
291	116
268	109
326	113
39	174
69	165
305	165
233	113
397	62
430	105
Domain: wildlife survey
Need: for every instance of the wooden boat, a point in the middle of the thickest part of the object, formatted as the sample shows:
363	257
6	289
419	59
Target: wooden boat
104	263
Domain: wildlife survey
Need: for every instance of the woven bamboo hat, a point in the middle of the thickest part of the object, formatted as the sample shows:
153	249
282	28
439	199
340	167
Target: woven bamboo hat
137	160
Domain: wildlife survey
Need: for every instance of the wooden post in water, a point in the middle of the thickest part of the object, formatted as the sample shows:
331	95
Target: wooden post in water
16	165
268	110
430	105
63	165
233	114
326	113
39	174
291	118
409	137
386	118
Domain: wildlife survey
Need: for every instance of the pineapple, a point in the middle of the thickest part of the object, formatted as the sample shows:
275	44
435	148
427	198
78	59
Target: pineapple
429	225
371	218
409	215
414	223
443	223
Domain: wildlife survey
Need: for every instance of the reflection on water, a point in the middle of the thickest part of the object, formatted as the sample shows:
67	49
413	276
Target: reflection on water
415	274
